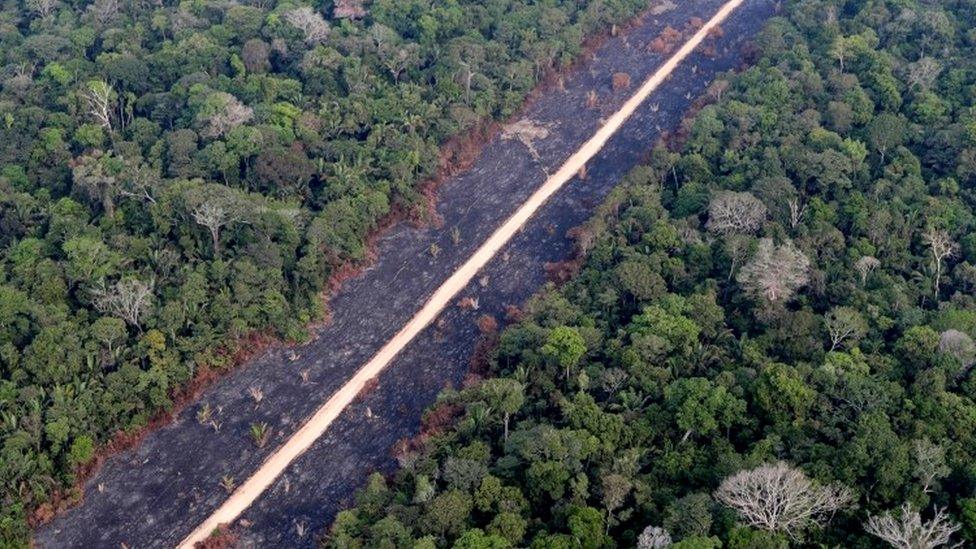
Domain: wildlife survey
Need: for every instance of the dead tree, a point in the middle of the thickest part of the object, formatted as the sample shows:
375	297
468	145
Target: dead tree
620	81
214	216
349	9
654	537
775	273
909	531
104	12
42	8
922	73
89	175
797	209
865	266
959	346
941	247
780	498
930	463
100	98
226	112
129	299
310	22
139	182
843	324
731	212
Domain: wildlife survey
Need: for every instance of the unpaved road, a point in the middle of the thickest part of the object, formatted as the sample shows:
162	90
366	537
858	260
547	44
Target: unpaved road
242	498
156	494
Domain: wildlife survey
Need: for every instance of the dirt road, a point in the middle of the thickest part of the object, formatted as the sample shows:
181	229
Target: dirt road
156	494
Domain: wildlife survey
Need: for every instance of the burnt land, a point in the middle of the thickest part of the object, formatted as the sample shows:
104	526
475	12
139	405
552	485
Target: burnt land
153	495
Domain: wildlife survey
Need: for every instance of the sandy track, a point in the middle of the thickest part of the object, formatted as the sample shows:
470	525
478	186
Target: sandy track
323	417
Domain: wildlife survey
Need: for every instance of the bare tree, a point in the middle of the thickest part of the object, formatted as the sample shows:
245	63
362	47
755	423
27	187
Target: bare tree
614	489
780	498
216	207
908	531
732	212
841	50
349	9
100	98
775	272
139	182
129	299
42	8
400	58
104	11
214	216
90	175
737	247
717	88
797	209
309	22
960	346
922	73
654	537
941	247
930	463
865	266
222	112
844	324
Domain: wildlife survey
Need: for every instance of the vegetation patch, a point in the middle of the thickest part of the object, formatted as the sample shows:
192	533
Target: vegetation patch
769	342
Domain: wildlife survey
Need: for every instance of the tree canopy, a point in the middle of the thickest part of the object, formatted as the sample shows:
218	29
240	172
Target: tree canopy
773	326
177	175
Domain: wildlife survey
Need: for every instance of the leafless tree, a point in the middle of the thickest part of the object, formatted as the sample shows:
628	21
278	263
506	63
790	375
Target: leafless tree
224	113
865	266
255	54
214	215
129	299
42	8
930	463
90	176
654	537
775	272
349	9
183	19
908	531
614	488
797	209
100	98
400	58
960	346
737	247
612	379
139	182
941	247
844	324
717	88
922	73
780	498
731	212
310	22
18	79
104	11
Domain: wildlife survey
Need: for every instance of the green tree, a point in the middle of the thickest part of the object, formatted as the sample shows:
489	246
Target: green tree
565	347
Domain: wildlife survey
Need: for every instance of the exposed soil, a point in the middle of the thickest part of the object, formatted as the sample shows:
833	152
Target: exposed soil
527	132
155	494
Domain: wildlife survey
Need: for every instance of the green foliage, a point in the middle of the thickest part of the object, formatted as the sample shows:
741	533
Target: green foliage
227	160
655	374
565	347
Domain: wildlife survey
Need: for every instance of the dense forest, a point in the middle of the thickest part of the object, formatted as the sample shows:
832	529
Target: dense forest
175	176
770	342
